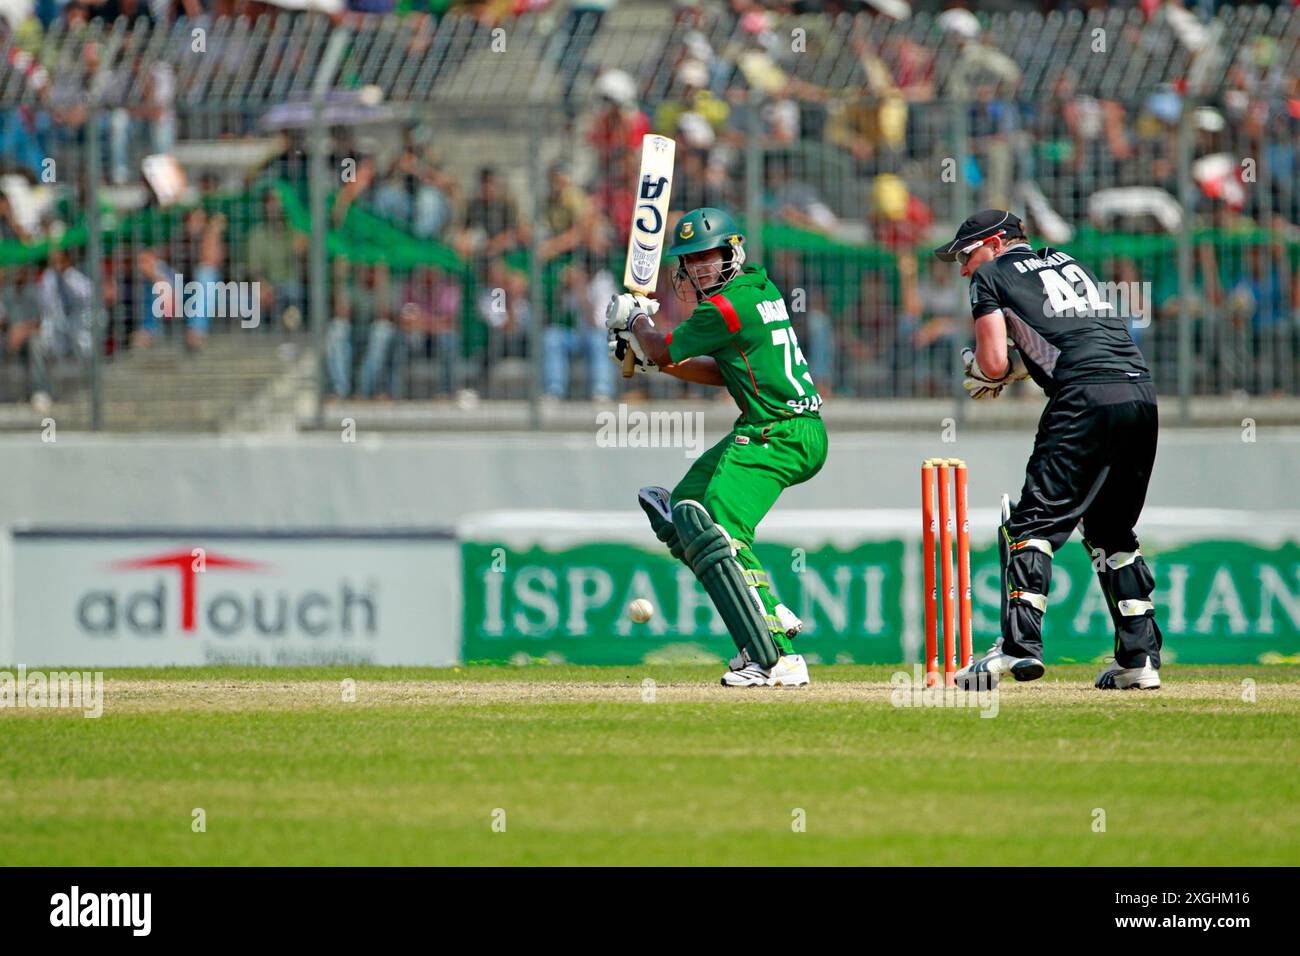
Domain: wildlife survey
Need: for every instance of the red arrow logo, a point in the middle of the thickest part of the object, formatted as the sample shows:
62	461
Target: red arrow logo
184	561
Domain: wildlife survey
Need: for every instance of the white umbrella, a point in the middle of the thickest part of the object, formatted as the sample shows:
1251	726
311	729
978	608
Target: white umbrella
16	11
1132	201
321	6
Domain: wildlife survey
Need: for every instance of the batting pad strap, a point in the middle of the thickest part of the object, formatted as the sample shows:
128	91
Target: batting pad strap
1135	608
1032	544
1122	559
756	579
1029	597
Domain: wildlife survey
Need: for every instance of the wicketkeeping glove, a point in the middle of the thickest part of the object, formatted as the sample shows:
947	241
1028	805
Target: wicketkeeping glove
977	383
1019	372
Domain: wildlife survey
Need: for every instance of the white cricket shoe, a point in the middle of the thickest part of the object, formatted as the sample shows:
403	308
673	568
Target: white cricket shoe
1115	677
751	675
789	671
984	673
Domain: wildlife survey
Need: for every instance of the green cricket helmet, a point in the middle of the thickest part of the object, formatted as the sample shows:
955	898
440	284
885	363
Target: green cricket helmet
699	231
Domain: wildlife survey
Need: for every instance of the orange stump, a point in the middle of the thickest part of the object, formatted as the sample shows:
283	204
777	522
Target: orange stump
936	476
945	572
963	563
927	565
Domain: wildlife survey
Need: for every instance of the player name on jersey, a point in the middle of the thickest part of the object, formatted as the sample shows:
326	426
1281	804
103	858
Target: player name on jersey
1035	263
773	310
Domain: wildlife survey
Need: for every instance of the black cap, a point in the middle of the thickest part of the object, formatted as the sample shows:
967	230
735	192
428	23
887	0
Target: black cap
982	225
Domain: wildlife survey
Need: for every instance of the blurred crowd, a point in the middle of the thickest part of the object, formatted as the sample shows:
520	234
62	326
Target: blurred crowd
857	170
37	14
30	15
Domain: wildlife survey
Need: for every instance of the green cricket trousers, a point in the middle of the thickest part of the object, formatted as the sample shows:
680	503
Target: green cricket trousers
738	481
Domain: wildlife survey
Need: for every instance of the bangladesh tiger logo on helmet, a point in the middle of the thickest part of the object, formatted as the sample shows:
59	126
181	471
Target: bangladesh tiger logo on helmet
701	230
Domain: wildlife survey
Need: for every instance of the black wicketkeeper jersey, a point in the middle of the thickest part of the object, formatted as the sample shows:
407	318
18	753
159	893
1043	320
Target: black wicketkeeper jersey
1068	328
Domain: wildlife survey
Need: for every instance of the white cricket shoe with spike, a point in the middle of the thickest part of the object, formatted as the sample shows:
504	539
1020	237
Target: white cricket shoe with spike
984	673
748	675
1115	677
789	671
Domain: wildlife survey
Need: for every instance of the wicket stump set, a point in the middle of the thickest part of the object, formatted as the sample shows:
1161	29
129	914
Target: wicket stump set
936	476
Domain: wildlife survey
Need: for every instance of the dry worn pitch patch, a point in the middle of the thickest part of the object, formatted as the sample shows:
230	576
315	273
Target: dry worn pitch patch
154	696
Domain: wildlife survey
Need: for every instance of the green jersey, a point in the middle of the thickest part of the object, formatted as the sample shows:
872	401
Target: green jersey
746	329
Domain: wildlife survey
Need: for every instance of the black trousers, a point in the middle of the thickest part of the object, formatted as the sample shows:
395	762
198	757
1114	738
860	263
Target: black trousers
1092	461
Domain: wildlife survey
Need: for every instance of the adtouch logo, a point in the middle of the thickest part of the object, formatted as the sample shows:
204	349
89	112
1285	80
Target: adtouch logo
190	565
280	605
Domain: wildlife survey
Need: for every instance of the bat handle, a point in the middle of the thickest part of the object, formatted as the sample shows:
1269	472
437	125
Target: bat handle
629	358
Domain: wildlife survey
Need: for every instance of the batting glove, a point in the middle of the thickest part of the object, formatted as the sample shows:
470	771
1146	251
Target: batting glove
620	342
621	308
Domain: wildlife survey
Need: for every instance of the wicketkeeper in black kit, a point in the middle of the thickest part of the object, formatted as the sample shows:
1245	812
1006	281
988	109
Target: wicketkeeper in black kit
1040	315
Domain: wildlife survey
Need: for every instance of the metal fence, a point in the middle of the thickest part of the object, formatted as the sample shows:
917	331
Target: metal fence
424	209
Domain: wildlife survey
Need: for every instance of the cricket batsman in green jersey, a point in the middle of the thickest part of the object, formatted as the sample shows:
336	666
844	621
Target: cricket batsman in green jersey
738	337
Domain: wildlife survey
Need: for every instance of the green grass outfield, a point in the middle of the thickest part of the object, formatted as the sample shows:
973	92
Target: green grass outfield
588	771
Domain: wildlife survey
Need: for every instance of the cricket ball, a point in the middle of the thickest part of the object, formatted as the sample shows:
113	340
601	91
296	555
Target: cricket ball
640	610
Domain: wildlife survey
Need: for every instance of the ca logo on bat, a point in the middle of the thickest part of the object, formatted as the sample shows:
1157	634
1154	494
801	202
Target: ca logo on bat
651	190
649	226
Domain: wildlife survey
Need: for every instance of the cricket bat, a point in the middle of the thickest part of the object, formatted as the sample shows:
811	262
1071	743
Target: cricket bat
645	241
